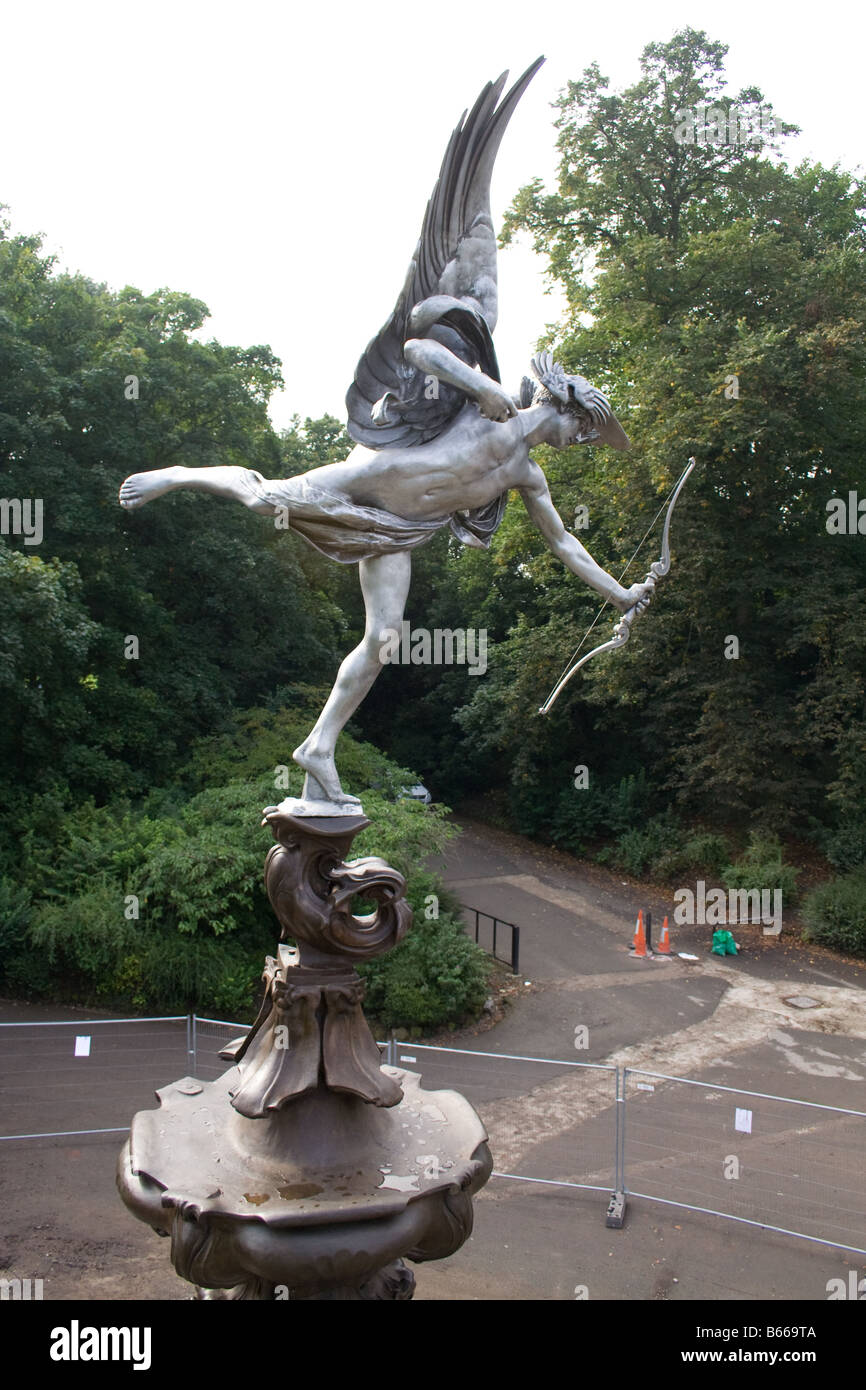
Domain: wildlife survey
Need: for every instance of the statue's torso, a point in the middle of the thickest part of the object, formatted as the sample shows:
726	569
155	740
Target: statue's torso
467	466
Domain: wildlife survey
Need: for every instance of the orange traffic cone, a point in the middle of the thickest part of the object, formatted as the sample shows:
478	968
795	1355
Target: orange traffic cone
638	945
664	945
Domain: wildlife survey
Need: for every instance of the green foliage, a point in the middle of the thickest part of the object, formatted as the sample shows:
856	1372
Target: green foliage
435	976
845	839
845	843
835	913
644	846
660	848
194	863
220	602
313	443
762	866
703	854
209	880
15	913
81	939
46	639
683	266
215	978
585	813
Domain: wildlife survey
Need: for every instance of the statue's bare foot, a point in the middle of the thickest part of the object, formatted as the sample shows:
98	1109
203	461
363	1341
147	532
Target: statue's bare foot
322	767
143	487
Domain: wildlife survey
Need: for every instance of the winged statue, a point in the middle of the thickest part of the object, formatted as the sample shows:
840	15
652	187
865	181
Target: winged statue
439	441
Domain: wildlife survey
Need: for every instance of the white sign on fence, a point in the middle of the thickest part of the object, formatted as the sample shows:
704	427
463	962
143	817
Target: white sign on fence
82	1045
743	1121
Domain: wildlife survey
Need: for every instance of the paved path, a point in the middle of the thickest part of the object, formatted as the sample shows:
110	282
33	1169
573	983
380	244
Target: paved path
726	1022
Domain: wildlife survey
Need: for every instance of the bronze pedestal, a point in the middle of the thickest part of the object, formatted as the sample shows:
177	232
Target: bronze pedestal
308	1170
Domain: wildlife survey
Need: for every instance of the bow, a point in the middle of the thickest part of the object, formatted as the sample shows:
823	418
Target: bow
622	631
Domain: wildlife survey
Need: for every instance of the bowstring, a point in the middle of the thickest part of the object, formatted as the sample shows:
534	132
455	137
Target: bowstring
628	566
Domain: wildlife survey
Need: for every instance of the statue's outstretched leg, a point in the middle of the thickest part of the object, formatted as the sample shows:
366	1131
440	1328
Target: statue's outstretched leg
385	586
225	480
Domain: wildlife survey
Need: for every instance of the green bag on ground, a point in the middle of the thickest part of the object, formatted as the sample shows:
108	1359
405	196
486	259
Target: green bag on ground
724	944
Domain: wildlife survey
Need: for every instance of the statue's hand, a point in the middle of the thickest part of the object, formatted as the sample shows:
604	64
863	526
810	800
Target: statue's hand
638	596
495	403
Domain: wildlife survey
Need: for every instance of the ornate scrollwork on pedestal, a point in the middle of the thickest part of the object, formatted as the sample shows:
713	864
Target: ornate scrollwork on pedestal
311	888
311	1030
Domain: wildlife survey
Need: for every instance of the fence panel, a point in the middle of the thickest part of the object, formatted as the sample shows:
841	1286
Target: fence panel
788	1165
792	1166
209	1035
586	1089
86	1075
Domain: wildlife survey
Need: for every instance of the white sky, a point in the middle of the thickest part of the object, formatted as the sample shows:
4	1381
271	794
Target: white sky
274	159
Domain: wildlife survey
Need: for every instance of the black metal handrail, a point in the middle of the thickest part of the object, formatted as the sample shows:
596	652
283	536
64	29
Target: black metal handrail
514	959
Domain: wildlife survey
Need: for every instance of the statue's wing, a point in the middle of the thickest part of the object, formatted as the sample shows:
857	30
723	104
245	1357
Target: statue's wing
449	292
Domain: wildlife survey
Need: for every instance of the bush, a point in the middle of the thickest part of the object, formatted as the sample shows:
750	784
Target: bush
83	939
435	976
703	854
762	867
626	805
644	845
216	977
194	862
17	970
845	845
583	814
835	913
577	818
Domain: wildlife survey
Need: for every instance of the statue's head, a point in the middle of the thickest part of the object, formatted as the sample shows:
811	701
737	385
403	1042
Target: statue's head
587	411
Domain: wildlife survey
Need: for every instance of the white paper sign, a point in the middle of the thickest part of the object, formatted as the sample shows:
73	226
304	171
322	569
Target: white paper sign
82	1046
408	1059
743	1121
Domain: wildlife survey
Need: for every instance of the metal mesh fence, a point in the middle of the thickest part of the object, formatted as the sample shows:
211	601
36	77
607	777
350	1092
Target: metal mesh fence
784	1164
584	1089
792	1166
87	1075
209	1035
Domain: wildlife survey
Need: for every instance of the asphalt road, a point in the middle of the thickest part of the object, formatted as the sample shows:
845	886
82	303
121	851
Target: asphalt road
728	1023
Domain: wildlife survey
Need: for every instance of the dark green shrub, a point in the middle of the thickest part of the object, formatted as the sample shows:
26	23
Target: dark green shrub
21	969
702	855
435	976
845	844
761	866
82	939
835	913
627	804
586	813
643	846
579	816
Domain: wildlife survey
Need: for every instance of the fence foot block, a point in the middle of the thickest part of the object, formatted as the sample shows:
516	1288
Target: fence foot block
615	1211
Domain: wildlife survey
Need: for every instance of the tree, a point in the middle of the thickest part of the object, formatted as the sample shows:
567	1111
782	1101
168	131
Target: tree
99	384
720	299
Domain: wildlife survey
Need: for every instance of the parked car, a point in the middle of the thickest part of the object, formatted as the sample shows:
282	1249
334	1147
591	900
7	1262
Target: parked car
417	793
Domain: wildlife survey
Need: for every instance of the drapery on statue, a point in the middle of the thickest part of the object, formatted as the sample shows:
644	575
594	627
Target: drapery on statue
439	441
